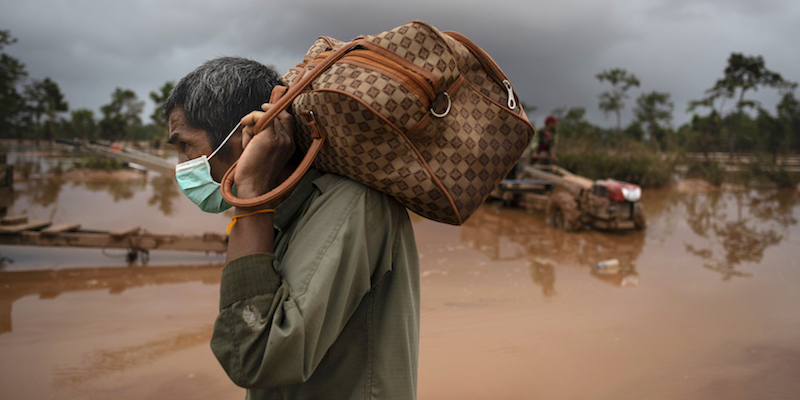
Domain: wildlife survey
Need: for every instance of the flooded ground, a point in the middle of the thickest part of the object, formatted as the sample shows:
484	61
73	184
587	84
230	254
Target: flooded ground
705	303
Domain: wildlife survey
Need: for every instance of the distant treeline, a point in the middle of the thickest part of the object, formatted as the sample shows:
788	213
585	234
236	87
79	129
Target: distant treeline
649	148
36	109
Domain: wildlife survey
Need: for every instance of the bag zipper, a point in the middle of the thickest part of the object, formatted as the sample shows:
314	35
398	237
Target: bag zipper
488	64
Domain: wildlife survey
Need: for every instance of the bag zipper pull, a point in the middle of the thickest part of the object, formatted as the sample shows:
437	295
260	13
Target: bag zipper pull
512	102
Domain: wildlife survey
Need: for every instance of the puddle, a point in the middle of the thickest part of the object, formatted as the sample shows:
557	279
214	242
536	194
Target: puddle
701	304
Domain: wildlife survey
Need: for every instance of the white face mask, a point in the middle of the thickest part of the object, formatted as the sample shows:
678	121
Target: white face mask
195	181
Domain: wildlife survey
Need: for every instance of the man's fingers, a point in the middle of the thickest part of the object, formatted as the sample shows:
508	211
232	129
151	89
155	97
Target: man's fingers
280	131
252	118
247	134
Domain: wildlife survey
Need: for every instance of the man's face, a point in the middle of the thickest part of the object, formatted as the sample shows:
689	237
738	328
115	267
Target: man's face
193	142
551	126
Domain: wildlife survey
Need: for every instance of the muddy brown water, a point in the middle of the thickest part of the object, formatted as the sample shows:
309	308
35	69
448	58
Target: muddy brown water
705	303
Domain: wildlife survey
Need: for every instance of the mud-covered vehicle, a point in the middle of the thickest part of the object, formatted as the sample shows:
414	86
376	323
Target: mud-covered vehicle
572	202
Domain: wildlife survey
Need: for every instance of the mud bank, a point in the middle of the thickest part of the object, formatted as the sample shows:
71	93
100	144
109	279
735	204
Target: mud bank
85	175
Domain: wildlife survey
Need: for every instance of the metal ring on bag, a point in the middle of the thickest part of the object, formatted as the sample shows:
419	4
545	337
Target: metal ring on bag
447	111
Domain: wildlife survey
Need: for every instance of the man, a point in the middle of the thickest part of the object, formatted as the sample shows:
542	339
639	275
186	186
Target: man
545	149
319	299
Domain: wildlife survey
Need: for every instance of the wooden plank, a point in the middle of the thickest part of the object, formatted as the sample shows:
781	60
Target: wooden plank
30	225
124	233
14	220
146	241
56	229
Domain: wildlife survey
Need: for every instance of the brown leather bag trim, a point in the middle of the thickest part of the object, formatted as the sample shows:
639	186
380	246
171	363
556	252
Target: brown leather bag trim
403	62
278	92
410	144
226	186
380	63
412	86
328	40
428	116
484	58
320	58
281	189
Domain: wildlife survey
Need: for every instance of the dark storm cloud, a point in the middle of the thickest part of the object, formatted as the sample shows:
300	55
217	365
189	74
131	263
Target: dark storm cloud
551	50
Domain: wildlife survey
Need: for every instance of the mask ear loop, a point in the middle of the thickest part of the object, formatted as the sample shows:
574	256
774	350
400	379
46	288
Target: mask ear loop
226	140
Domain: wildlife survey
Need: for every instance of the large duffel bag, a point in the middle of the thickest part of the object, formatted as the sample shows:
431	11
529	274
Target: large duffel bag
422	115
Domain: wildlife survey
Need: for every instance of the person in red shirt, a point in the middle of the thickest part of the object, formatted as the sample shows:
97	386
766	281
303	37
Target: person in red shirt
545	149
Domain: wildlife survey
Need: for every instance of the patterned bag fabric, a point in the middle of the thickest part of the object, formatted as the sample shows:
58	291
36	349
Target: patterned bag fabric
422	115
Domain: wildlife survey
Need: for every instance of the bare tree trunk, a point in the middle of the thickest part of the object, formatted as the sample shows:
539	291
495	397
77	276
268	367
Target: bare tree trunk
740	110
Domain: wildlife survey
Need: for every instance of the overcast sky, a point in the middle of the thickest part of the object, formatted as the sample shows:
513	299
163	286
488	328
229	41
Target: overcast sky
551	50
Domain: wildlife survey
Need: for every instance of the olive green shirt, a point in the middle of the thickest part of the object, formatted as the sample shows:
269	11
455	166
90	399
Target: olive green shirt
334	313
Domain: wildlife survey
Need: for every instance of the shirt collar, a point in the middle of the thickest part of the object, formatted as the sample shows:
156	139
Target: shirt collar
286	211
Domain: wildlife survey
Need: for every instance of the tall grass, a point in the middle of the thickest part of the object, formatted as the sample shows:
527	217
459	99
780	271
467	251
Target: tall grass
628	160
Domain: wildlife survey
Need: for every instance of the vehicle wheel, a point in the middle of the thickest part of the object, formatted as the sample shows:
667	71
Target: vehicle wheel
638	217
557	219
562	212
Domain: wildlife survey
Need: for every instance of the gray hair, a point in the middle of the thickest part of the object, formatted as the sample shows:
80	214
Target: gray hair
216	95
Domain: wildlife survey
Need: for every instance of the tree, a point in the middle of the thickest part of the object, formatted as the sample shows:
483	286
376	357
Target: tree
12	71
121	116
572	123
704	133
614	100
43	97
655	110
743	73
82	124
159	97
771	138
789	118
717	92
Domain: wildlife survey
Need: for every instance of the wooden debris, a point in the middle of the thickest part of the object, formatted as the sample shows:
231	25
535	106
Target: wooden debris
27	226
144	241
56	229
124	233
15	220
30	233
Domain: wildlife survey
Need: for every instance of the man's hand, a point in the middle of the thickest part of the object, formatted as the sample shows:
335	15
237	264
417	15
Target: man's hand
265	153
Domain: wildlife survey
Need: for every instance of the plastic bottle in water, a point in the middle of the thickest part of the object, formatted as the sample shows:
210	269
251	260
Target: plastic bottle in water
607	266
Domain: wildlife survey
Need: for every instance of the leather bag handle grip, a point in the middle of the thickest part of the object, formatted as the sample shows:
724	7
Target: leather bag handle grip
281	102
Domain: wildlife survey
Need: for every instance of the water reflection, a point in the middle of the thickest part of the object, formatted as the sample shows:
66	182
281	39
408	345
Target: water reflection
52	283
165	191
511	234
736	227
42	176
44	192
119	190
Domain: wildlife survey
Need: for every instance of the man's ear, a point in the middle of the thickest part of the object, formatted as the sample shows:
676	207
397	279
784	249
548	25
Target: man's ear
233	149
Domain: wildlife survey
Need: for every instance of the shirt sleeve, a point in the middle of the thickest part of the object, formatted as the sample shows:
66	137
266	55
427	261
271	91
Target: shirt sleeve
278	320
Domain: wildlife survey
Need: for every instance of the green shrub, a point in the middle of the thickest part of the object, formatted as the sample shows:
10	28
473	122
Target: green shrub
713	172
767	167
94	162
628	161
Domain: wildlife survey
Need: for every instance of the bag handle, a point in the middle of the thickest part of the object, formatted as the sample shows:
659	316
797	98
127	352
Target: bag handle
281	102
483	57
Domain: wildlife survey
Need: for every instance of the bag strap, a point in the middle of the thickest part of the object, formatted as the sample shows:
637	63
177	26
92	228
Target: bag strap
279	105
